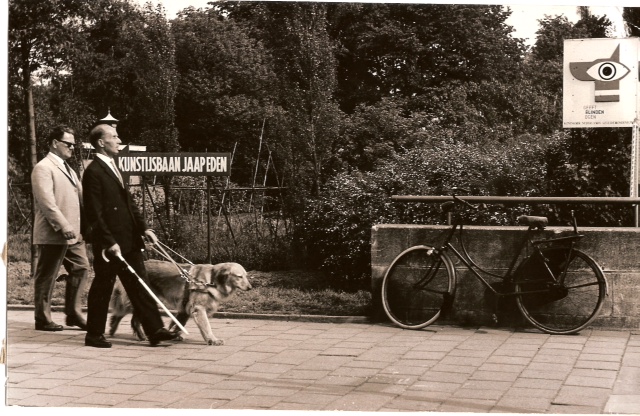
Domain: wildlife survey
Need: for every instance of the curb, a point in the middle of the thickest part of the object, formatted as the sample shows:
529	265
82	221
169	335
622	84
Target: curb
241	315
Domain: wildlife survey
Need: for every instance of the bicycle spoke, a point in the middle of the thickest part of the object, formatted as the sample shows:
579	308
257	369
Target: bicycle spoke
565	307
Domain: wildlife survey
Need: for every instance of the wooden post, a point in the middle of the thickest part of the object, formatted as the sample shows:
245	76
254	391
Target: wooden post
209	219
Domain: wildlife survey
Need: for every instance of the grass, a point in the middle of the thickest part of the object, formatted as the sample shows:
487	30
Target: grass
295	292
299	292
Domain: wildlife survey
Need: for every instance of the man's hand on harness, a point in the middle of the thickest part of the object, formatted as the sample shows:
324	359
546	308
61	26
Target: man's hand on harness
150	237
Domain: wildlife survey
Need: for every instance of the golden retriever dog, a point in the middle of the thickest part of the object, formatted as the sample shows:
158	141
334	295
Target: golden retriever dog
199	298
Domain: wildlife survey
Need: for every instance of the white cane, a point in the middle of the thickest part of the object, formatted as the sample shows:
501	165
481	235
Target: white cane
142	282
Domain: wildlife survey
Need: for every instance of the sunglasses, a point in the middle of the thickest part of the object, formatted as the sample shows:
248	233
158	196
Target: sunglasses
68	144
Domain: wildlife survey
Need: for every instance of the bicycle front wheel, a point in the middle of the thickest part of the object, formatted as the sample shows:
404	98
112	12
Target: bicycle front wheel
418	284
568	304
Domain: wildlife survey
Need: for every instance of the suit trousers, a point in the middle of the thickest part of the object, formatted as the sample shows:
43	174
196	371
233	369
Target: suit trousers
143	304
48	260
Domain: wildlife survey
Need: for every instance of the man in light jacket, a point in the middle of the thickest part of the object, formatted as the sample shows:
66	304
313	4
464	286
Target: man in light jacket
57	194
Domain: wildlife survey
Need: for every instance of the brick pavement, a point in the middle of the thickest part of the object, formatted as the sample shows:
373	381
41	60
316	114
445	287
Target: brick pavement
294	365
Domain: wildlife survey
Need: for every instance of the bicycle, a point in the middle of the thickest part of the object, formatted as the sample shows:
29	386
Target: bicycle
558	288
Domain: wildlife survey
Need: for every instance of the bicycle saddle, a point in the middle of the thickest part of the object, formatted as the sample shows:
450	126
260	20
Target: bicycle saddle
533	222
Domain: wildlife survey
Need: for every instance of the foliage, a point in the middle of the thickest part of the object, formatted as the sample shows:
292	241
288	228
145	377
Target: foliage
336	231
129	68
631	16
42	36
404	49
225	81
338	105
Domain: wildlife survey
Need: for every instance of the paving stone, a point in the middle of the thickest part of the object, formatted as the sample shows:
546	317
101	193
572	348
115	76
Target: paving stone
538	383
45	400
627	381
522	404
181	386
94	382
296	374
403	404
478	393
494	375
137	404
39	383
217	394
445	376
507	359
582	396
303	397
523	392
130	389
435	386
276	391
15	395
279	365
598	365
503	368
325	363
358	401
573	409
588	381
601	357
545	374
102	399
73	391
624	404
379	388
158	396
252	402
458	404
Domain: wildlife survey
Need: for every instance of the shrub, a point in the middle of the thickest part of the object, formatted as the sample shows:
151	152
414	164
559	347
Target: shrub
336	230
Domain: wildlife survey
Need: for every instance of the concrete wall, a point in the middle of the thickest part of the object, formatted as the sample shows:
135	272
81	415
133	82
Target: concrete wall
492	248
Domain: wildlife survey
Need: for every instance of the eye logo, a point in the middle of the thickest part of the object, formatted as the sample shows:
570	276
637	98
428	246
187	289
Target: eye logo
606	73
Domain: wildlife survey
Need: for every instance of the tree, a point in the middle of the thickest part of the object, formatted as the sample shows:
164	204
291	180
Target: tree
406	49
631	16
307	117
226	84
128	67
41	40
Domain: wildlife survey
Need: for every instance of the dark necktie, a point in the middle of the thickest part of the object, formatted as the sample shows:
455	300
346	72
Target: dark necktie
66	165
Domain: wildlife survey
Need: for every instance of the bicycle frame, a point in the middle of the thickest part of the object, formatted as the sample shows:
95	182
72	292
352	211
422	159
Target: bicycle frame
508	277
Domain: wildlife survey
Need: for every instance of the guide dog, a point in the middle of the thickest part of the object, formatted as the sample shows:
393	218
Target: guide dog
199	297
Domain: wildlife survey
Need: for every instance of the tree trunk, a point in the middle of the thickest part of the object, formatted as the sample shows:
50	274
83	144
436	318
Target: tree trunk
29	107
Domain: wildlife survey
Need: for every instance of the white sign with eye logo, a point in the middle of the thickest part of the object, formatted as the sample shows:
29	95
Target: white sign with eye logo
600	80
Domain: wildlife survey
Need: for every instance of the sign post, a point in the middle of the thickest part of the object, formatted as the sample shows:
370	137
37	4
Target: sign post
600	84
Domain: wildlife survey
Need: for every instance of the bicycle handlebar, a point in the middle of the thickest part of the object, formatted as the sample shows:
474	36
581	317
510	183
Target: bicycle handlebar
459	200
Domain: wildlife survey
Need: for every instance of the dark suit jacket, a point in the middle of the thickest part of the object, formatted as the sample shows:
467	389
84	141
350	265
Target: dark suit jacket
112	216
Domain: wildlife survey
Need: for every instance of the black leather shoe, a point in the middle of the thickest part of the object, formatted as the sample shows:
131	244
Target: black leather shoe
76	321
97	341
161	335
49	326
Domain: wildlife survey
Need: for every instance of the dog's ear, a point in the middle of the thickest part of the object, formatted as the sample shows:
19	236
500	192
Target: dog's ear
221	277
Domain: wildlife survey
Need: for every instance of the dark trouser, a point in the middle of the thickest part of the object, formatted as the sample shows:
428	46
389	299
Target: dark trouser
102	286
48	260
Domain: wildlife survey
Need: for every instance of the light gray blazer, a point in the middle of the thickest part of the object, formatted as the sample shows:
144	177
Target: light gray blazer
57	202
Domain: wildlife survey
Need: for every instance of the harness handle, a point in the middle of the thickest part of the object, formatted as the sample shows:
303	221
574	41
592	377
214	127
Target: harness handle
163	253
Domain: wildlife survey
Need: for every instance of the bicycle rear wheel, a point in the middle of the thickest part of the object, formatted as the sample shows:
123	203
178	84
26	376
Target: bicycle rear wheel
418	284
561	308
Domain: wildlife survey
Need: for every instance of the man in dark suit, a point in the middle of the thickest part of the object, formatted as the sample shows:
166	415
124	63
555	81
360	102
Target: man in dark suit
57	195
116	227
